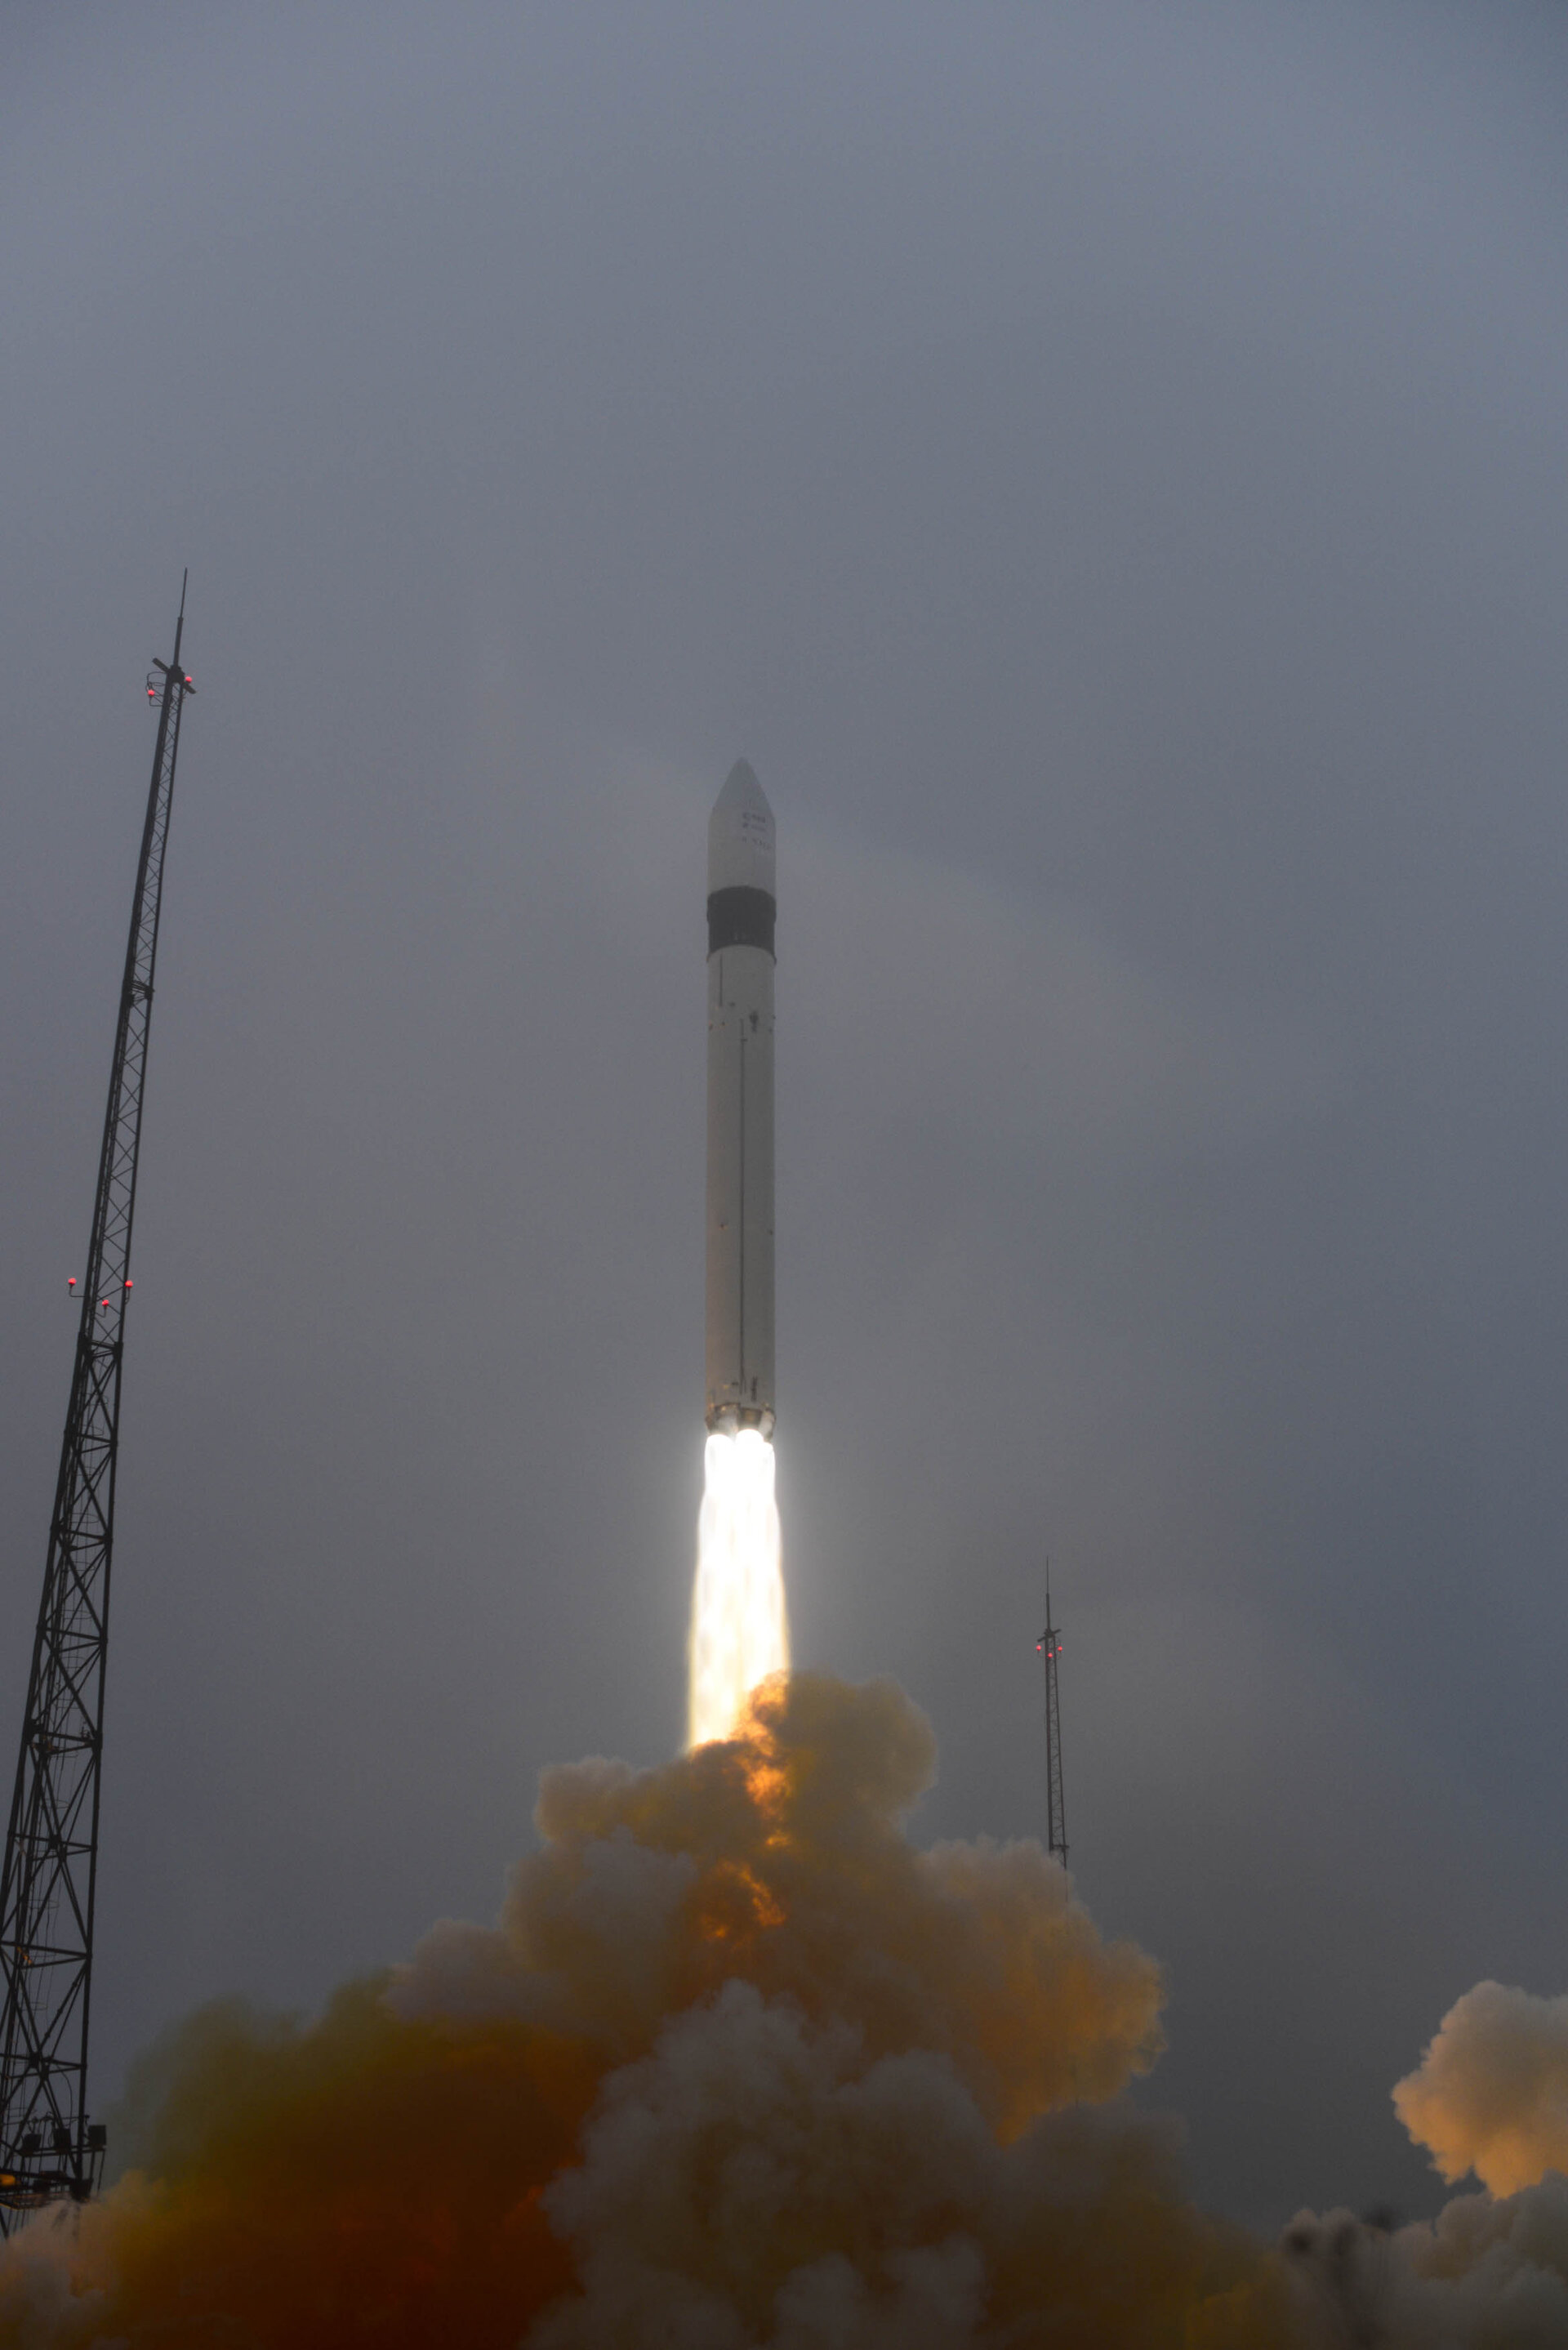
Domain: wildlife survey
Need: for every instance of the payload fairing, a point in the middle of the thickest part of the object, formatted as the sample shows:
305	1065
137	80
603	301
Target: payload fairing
741	907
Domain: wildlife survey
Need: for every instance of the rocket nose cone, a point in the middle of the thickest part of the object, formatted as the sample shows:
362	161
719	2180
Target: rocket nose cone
740	836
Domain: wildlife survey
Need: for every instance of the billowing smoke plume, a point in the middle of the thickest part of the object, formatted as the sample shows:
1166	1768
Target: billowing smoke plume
1483	2275
1491	2096
1490	2093
741	2068
738	2069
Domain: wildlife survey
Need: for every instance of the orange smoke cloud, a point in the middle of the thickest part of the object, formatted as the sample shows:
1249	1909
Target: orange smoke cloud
778	1858
1491	2094
739	2068
361	2178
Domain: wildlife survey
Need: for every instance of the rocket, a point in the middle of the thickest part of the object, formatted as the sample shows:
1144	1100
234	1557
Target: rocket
740	913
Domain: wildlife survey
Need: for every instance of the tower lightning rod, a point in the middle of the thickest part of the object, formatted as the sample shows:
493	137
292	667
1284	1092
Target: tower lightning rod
49	2147
1049	1647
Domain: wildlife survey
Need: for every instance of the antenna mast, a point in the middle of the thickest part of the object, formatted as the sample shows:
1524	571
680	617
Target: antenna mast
48	2148
1049	1647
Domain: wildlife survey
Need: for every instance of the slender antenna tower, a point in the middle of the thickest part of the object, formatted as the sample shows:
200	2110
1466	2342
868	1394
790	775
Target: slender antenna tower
47	2147
1049	1647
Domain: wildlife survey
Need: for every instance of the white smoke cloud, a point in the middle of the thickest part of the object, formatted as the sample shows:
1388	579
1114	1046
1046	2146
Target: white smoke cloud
761	2181
1483	2275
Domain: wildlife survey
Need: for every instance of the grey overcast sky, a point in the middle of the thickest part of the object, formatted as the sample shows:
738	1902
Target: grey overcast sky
1106	463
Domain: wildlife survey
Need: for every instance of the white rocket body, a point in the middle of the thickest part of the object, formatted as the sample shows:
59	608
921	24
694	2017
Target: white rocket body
742	905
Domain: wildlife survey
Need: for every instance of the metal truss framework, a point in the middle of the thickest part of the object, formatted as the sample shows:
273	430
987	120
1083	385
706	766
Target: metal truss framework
49	2147
1049	1647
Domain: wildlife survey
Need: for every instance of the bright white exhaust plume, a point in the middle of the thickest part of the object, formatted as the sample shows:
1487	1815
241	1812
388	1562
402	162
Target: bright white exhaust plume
740	1632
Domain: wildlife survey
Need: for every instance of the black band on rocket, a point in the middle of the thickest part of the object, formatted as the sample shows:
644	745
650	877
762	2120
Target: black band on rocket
740	917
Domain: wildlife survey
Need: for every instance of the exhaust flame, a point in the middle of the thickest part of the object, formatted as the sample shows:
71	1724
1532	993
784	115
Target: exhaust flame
740	1632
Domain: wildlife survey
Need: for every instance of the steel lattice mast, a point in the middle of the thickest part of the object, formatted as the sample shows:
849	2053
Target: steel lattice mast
48	2148
1049	1647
